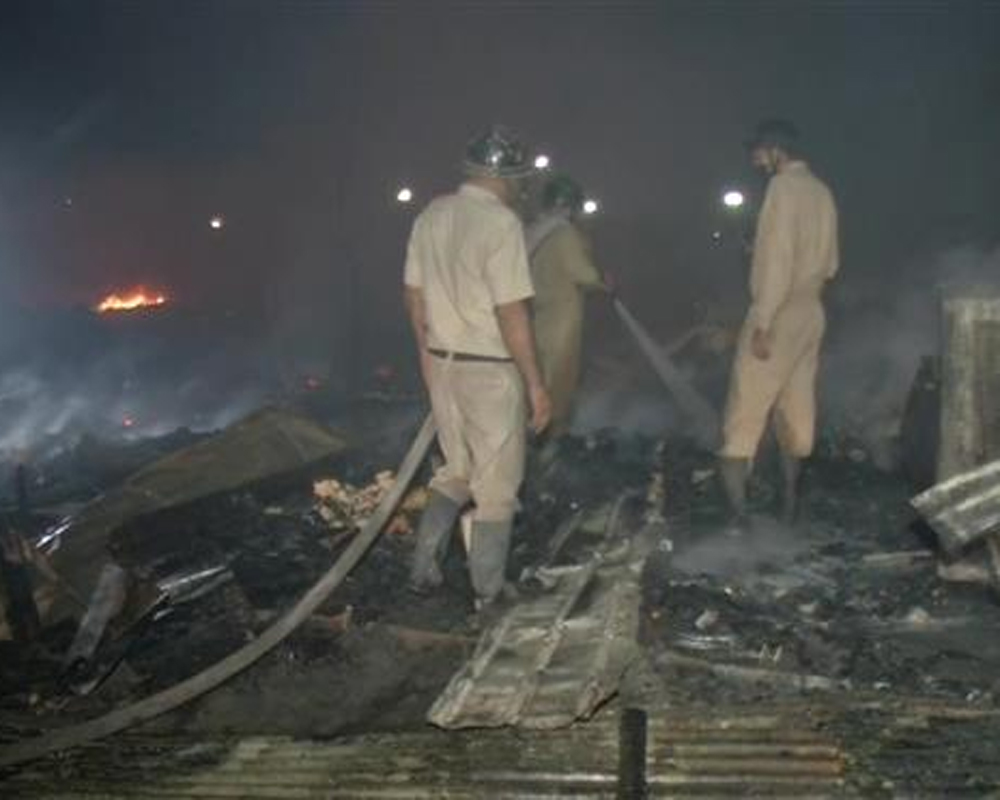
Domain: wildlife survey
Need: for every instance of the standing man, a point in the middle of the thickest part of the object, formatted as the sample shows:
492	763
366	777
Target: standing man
795	253
467	291
562	270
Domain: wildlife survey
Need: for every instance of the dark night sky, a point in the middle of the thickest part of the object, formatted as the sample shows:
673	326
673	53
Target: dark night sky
297	120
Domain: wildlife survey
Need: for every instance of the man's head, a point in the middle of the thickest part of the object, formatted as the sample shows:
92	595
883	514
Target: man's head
498	160
774	143
562	193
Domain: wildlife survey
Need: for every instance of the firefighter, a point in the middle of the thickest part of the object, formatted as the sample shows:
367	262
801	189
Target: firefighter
795	253
467	287
562	270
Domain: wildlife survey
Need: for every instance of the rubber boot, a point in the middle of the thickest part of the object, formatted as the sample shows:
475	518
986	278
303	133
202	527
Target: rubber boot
734	473
488	560
435	527
791	471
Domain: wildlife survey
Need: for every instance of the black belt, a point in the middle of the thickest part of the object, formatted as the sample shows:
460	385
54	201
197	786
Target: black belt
468	356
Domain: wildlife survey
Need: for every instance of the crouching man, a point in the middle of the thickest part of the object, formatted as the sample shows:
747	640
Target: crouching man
467	286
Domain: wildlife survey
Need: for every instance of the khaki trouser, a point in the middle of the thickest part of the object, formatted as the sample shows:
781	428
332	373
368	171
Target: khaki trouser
559	339
784	384
481	417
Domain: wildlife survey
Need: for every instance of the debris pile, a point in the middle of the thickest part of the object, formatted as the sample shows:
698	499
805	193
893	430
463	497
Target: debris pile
846	605
344	507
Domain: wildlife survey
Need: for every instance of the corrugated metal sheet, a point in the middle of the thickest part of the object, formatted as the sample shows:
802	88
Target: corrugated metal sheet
737	757
970	384
965	508
906	748
555	658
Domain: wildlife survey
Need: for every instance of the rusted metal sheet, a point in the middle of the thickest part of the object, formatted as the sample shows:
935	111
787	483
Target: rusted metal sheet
553	659
688	756
964	509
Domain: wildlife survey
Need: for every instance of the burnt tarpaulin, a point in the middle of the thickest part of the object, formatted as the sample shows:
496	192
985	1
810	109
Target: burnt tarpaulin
266	444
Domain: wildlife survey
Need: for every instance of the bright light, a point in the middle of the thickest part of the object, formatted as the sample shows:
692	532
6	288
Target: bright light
404	195
590	207
216	223
542	161
733	199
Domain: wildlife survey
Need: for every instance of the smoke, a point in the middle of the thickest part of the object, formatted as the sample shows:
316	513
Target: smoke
621	389
874	346
766	544
63	374
625	409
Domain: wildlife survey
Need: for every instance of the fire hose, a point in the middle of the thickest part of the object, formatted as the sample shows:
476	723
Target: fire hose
197	685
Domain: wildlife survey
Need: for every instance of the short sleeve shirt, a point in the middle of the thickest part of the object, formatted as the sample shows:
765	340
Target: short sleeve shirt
795	250
467	255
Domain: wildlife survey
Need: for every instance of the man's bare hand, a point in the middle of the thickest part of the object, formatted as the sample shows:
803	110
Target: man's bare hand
760	344
541	408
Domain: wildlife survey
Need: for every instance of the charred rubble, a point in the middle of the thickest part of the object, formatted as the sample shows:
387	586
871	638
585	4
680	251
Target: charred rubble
846	609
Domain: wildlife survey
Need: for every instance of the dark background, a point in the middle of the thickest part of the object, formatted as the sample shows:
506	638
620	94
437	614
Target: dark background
124	126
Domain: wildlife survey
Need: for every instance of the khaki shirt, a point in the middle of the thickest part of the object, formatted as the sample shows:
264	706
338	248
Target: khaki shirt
466	253
795	250
560	267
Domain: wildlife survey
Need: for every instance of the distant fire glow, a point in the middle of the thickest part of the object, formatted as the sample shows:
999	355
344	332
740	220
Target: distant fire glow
130	301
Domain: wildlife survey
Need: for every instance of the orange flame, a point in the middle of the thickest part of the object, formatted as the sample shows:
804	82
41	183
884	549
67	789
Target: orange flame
130	301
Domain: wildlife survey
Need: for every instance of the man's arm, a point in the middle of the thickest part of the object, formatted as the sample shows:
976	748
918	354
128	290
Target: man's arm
771	271
515	328
416	310
573	252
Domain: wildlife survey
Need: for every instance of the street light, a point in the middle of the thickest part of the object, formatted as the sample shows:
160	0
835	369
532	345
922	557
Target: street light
542	161
733	198
590	207
216	223
404	195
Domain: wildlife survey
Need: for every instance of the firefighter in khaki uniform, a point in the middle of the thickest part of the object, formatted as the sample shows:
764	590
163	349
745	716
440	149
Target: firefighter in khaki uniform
562	270
467	288
795	254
